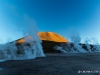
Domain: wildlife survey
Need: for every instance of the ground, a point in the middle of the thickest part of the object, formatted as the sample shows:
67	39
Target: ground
54	64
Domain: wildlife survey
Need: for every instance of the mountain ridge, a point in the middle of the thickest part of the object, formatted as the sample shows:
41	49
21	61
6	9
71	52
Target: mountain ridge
51	36
46	36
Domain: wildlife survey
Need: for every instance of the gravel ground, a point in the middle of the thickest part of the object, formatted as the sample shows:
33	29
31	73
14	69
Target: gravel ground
54	64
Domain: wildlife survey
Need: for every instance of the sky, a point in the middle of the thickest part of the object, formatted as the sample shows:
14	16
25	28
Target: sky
59	16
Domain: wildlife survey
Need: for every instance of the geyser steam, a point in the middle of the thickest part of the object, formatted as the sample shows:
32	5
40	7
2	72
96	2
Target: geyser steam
9	51
76	39
87	44
76	46
32	31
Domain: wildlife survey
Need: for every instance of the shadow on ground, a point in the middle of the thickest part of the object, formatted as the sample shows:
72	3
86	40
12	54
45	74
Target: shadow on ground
53	64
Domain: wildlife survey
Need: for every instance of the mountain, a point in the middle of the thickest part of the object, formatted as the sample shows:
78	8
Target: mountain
49	41
46	36
51	36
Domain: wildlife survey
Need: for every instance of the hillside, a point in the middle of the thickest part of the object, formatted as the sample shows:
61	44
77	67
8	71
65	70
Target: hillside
46	36
51	36
49	41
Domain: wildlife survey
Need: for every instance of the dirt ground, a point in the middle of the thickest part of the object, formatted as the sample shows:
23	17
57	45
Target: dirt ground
54	64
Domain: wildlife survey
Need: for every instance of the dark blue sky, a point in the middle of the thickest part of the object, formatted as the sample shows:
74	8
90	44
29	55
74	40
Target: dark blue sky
60	16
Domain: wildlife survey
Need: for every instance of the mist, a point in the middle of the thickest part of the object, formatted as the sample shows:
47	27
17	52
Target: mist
89	45
21	26
8	51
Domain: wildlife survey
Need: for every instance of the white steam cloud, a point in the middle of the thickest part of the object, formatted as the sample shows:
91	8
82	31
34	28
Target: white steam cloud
9	51
26	25
77	47
76	39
